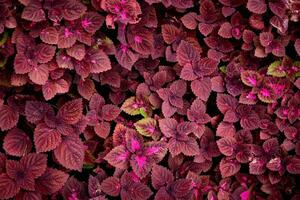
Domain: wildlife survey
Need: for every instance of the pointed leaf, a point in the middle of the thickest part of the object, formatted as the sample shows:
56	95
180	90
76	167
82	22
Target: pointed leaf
17	143
46	138
70	153
118	157
146	126
51	181
71	111
8	118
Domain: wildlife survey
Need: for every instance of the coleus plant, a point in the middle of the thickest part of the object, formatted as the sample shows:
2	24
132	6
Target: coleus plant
153	99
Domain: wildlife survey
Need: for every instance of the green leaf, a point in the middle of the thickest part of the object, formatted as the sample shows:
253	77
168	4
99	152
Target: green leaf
276	70
143	112
223	69
4	38
297	64
3	62
131	107
146	126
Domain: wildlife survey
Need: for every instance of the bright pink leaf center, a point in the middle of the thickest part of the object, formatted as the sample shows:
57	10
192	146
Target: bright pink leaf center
137	39
135	145
141	160
152	150
67	32
85	23
264	92
245	195
252	81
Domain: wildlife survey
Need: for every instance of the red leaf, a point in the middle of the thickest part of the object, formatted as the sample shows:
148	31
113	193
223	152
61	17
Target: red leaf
229	167
297	46
189	20
226	145
73	10
28	195
70	153
202	88
226	130
102	129
125	57
71	112
257	6
51	181
8	117
187	73
294	166
91	22
141	40
39	75
46	138
169	33
225	30
118	157
66	38
8	187
257	166
111	186
110	112
168	126
34	12
77	51
86	88
181	188
161	176
17	143
226	102
99	61
45	53
35	164
13	169
49	90
186	53
140	191
49	35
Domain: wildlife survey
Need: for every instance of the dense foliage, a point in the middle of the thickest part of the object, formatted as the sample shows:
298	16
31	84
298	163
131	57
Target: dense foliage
150	99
